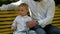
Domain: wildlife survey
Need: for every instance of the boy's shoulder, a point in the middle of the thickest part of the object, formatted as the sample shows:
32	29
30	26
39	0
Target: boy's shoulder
28	16
16	17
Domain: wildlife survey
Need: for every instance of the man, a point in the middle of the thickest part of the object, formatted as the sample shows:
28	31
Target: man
42	11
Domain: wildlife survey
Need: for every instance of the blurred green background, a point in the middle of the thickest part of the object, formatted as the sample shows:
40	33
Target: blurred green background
7	1
57	2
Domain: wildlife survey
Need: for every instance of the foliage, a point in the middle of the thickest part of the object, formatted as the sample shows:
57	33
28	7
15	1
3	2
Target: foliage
7	1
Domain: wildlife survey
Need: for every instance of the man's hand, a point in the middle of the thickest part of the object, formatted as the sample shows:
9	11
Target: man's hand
31	24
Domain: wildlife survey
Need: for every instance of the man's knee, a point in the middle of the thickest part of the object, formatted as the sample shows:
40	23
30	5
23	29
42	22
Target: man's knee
32	32
40	31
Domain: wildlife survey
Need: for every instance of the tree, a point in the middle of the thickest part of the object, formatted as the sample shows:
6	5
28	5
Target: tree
7	1
57	2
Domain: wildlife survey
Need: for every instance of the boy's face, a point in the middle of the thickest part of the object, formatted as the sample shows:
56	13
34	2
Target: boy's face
22	11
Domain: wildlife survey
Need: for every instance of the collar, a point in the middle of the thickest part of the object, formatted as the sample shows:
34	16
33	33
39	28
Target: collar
23	16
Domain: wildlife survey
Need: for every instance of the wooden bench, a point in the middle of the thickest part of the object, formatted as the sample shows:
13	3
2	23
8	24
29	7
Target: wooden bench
6	18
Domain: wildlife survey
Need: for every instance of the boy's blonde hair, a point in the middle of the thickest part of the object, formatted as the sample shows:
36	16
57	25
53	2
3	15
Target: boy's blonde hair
25	5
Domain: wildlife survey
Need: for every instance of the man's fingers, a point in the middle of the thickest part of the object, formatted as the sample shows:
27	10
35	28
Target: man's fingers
31	24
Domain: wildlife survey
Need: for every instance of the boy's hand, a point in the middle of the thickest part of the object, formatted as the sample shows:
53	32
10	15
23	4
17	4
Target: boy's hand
31	24
13	28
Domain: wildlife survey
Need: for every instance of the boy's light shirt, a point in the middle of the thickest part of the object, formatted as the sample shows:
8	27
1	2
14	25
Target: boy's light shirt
42	11
20	22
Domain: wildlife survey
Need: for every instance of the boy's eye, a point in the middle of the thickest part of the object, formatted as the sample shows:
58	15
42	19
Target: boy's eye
20	10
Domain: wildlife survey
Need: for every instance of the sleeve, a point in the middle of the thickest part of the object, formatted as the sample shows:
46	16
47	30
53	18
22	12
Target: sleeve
49	15
14	24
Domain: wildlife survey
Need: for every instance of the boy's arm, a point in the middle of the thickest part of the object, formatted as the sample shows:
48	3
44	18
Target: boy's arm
13	28
14	24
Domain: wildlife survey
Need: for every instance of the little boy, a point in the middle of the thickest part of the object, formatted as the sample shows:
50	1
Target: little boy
19	24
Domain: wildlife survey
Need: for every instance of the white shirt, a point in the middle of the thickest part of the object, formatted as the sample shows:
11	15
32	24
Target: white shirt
20	22
42	11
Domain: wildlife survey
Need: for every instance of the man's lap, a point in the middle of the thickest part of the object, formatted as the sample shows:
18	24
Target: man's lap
50	29
38	29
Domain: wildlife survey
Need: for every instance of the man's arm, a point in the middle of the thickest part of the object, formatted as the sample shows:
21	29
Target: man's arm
49	15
